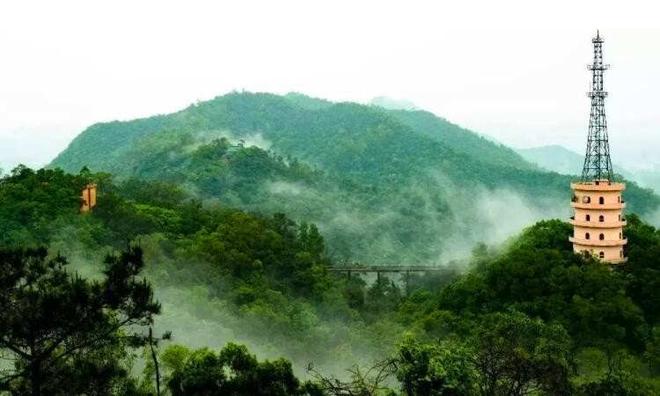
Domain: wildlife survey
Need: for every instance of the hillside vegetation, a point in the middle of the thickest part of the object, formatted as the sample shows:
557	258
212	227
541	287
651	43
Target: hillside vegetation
385	186
529	317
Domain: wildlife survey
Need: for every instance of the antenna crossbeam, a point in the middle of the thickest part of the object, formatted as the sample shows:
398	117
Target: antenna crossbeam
598	67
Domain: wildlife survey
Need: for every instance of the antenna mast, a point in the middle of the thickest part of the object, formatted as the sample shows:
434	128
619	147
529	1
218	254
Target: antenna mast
597	162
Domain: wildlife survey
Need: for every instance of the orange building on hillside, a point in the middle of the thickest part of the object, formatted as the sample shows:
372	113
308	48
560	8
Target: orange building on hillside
88	198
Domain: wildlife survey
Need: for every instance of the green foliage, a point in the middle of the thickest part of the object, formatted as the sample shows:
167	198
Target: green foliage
652	352
31	200
519	320
613	372
232	371
62	332
460	139
267	271
517	355
444	368
579	303
503	354
540	275
385	186
643	267
154	193
382	297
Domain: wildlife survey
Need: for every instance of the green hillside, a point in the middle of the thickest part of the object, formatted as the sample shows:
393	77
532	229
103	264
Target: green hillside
345	137
385	186
529	313
460	139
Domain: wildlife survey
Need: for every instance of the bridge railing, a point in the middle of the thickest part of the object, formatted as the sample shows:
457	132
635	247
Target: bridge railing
387	268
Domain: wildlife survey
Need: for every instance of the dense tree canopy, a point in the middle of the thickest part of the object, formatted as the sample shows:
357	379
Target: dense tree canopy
232	371
503	354
60	330
527	317
385	186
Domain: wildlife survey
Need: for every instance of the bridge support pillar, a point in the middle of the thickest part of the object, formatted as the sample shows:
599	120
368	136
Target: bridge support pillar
407	283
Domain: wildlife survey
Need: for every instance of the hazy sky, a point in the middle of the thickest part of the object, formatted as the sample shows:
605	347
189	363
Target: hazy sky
511	70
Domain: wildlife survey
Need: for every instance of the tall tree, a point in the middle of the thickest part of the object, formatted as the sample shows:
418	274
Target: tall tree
232	371
56	326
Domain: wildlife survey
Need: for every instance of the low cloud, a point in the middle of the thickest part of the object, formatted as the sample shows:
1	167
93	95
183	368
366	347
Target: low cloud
285	188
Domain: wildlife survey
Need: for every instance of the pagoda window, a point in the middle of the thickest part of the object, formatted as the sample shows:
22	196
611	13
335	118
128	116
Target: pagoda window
601	218
601	200
601	237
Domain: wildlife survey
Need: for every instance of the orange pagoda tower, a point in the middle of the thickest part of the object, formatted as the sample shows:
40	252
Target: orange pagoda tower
88	198
597	198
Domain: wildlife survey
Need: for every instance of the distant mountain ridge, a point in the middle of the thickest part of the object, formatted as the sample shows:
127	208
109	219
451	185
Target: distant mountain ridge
554	158
245	114
385	186
559	159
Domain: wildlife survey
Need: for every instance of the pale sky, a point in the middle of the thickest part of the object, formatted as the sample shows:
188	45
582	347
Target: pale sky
515	71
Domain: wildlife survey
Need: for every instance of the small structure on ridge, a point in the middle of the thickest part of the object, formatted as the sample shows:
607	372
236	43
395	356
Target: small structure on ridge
88	198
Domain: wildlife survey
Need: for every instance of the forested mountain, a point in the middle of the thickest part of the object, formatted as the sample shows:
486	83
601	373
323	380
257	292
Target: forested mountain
343	137
461	140
385	186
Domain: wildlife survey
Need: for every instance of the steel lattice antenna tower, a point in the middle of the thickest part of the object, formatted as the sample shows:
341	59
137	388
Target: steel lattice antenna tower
597	162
